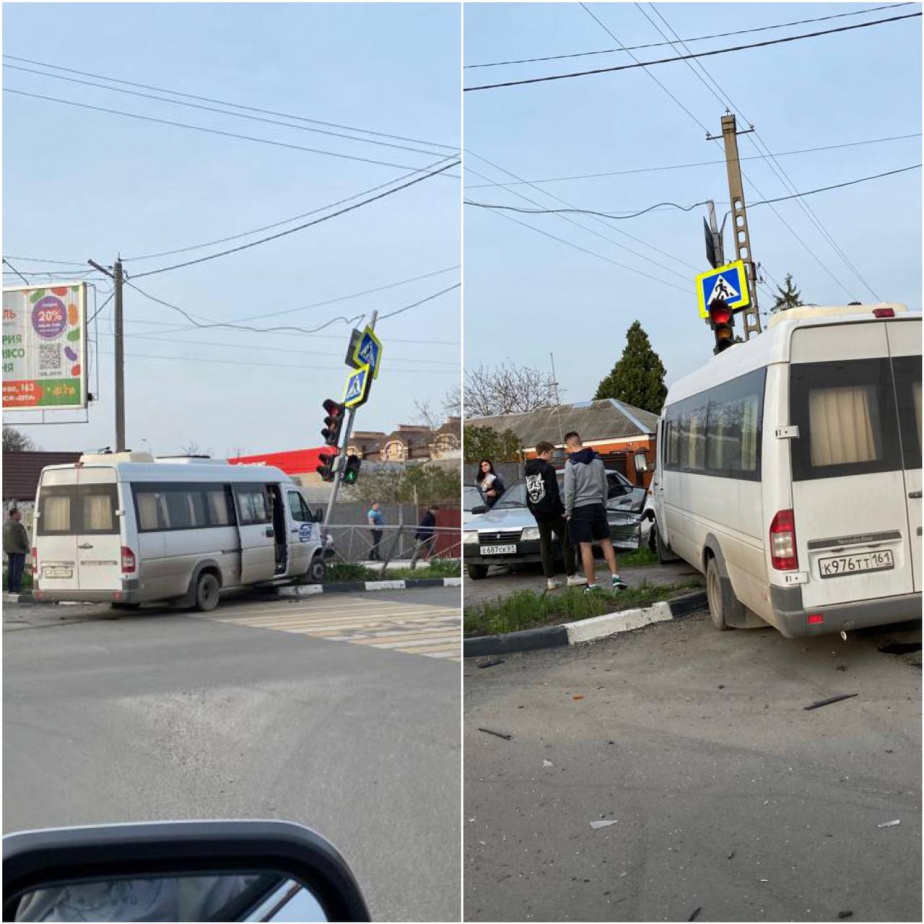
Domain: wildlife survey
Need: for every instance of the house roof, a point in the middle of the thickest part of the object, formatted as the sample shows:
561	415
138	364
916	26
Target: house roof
21	471
607	419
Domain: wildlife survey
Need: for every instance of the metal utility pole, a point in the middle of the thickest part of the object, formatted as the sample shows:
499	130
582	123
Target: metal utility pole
739	218
561	432
341	450
117	277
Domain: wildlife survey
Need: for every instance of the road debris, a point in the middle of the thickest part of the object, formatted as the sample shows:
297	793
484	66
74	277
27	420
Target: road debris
604	823
497	734
844	914
890	824
493	663
831	699
695	914
731	856
547	763
579	696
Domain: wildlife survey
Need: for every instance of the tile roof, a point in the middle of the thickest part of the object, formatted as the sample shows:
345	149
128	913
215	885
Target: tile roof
606	419
21	471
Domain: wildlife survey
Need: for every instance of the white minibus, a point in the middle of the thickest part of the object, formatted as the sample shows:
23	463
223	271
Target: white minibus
789	472
127	529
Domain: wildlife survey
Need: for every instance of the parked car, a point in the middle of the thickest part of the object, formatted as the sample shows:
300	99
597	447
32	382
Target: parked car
473	504
507	534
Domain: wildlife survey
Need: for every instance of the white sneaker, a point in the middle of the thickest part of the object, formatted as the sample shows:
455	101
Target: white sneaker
552	584
575	580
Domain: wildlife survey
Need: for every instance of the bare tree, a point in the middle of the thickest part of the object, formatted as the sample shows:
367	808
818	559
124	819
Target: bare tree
17	441
507	390
450	405
192	448
452	402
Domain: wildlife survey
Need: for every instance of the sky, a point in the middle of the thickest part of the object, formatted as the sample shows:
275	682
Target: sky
527	295
82	184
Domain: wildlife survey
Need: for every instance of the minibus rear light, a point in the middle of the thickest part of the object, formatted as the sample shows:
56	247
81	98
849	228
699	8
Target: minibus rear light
783	553
128	560
883	312
34	563
815	619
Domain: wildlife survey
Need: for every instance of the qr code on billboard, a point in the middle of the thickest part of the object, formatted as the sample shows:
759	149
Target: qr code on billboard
49	358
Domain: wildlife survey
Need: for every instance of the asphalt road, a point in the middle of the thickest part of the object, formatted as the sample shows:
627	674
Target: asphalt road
163	715
731	801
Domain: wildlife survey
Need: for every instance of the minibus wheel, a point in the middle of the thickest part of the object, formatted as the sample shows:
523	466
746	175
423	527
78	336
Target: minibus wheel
715	596
207	592
316	569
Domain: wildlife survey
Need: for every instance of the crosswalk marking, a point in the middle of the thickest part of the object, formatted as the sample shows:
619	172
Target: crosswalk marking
432	631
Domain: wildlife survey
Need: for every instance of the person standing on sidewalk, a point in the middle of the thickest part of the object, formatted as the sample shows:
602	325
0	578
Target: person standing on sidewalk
585	508
544	501
376	521
16	546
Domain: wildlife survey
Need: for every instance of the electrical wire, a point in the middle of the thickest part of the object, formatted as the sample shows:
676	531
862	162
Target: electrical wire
700	54
47	260
309	224
237	115
208	99
725	100
101	307
284	221
209	131
687	208
614	215
583	227
699	38
701	163
16	271
422	301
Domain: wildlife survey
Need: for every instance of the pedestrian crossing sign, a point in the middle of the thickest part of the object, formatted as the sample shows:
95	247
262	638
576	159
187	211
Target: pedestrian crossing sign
368	352
729	283
357	387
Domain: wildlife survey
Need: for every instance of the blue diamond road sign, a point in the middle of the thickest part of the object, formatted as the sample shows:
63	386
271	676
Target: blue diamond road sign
357	387
368	352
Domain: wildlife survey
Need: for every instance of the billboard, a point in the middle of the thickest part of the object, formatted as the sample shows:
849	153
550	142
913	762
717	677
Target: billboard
45	347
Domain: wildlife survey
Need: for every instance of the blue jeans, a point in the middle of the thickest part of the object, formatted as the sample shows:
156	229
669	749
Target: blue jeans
17	562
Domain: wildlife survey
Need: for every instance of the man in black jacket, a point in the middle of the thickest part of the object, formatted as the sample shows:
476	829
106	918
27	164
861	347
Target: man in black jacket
544	501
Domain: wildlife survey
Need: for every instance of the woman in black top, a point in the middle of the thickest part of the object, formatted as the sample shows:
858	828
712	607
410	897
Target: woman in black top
489	482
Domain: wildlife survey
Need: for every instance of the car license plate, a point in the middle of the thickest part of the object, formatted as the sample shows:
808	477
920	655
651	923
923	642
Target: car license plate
59	573
855	564
498	549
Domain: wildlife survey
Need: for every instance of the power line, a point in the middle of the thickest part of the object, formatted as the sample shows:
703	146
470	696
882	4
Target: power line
235	362
284	221
209	131
422	301
702	163
577	224
613	215
687	208
16	271
237	115
699	38
48	260
725	100
309	224
101	307
208	99
700	54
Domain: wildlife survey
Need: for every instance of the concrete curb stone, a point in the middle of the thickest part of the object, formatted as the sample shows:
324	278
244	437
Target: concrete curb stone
310	590
584	630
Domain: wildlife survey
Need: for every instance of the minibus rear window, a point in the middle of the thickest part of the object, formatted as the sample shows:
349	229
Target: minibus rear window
846	415
68	510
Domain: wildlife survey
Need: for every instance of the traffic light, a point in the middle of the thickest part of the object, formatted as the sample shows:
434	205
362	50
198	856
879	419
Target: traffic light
351	472
325	468
722	324
333	422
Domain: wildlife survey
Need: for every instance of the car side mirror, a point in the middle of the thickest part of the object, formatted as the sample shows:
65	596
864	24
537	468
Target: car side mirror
178	871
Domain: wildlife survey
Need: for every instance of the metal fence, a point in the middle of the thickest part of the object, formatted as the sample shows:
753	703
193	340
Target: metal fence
391	546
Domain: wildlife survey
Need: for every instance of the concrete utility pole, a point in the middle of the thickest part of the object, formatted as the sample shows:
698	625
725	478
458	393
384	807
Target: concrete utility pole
730	133
341	450
117	277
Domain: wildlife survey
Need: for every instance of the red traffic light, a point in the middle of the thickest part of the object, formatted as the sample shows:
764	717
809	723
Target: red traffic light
325	467
333	422
721	321
333	408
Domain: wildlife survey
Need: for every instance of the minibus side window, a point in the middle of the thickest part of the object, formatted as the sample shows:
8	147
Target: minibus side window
907	371
299	509
220	511
847	420
253	506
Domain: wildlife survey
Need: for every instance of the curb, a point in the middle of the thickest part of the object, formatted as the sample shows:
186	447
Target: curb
18	598
312	590
585	630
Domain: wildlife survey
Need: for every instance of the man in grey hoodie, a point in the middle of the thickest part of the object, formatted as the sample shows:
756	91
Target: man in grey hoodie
585	508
